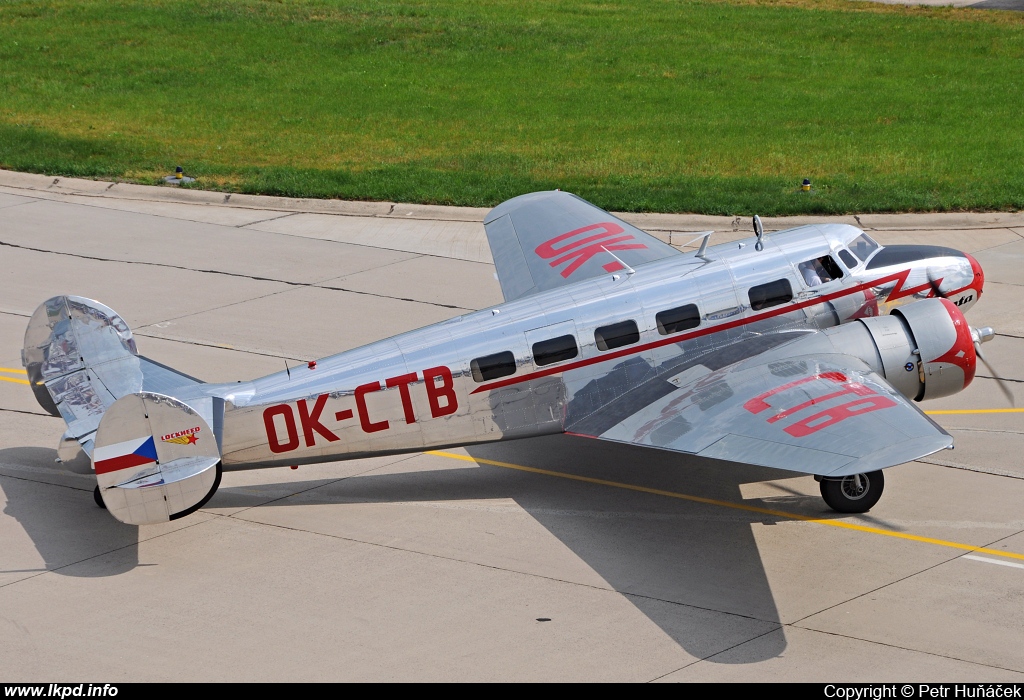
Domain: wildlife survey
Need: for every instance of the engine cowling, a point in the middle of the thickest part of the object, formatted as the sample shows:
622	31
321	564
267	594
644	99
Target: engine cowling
925	348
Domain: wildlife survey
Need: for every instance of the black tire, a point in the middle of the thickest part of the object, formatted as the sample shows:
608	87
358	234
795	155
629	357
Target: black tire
857	493
98	497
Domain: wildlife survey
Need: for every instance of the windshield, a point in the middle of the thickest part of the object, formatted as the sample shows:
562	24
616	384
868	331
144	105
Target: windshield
863	247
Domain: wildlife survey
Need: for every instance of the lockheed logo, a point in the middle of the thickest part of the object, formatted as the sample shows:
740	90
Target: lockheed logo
575	248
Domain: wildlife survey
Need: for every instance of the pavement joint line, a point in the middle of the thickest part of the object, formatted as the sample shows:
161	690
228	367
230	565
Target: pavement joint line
271	233
254	278
902	648
271	218
20	204
529	574
730	504
793	625
33	481
103	554
342	278
778	627
977	470
27	413
373	247
796	623
216	345
156	324
609	589
1004	379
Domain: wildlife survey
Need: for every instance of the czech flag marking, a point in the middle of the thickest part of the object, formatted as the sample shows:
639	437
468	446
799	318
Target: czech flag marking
123	455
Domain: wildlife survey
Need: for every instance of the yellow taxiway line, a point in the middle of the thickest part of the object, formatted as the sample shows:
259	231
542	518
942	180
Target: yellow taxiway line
13	380
11	370
735	506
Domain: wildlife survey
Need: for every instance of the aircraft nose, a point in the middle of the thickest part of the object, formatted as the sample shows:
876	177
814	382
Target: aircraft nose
979	274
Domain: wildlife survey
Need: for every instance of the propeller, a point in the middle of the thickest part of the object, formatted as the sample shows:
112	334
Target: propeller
979	335
935	286
983	335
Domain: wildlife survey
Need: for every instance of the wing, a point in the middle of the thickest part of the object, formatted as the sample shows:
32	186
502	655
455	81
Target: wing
543	240
820	414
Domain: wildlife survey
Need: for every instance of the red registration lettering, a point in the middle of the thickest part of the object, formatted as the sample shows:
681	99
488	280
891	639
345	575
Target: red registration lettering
758	403
435	393
848	388
836	414
403	383
581	250
276	445
311	421
364	416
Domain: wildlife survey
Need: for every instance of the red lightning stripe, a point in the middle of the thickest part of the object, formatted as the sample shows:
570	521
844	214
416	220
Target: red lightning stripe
898	292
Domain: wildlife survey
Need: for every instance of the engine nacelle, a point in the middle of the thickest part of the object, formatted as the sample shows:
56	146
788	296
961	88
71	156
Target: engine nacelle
925	349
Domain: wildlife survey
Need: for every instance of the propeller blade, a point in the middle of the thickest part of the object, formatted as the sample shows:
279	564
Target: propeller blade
1000	382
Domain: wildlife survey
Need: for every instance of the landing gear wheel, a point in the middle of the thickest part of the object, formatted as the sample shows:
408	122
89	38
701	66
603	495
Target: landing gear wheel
856	493
98	497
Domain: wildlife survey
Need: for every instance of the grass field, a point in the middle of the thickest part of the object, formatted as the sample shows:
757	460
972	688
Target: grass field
709	106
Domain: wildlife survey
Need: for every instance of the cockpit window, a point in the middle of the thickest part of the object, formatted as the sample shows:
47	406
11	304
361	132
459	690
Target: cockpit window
863	247
820	270
847	258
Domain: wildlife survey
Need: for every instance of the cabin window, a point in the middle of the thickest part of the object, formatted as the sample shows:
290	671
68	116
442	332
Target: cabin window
863	247
500	364
847	258
819	270
678	319
548	352
617	335
774	293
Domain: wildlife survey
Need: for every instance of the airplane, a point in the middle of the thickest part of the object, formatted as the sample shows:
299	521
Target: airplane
805	350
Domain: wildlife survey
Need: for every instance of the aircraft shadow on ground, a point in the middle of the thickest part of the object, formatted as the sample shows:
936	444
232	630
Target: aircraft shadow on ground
698	558
692	569
57	511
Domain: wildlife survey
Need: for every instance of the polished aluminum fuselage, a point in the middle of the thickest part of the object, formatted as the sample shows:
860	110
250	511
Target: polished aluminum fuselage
416	391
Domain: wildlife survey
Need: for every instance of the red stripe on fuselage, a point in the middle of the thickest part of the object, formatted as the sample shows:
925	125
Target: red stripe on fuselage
897	292
123	462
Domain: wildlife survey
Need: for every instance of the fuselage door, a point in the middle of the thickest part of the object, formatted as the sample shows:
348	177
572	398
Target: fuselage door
541	401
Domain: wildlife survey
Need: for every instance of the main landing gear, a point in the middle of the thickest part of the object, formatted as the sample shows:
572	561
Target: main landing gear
855	493
98	498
